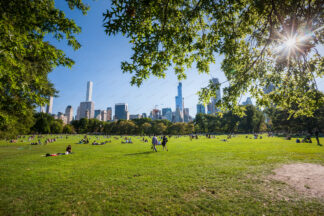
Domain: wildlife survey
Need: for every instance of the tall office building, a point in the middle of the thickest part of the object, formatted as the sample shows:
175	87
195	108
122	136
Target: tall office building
186	114
49	108
109	114
69	114
166	110
179	104
89	91
78	113
103	115
201	109
212	105
209	108
97	114
178	115
86	110
179	98
144	115
155	114
87	107
121	111
167	114
63	117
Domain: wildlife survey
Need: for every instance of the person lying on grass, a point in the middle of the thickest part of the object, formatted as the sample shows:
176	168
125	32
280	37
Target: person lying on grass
68	151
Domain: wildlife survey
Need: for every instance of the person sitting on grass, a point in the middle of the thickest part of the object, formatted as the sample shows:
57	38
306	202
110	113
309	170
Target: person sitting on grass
297	140
68	149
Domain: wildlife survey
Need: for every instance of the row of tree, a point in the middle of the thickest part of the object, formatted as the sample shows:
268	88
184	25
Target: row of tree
136	126
255	120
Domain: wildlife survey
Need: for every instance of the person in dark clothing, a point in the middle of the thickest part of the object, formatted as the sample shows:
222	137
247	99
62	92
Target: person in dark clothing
68	149
317	137
164	142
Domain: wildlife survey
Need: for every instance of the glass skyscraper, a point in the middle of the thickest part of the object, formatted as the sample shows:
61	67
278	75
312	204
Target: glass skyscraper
89	91
179	98
211	107
201	109
121	111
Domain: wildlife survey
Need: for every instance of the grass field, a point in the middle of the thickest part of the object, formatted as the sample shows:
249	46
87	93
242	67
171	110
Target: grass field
198	177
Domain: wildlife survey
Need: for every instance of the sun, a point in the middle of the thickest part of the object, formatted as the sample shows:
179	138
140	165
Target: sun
291	42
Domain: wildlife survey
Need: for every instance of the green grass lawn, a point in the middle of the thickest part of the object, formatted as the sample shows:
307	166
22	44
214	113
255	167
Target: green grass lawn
198	177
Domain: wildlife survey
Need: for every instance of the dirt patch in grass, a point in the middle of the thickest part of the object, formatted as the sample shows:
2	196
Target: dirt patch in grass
304	177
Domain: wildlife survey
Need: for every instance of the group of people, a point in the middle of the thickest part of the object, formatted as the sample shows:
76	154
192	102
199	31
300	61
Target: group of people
85	140
102	143
193	136
127	140
155	142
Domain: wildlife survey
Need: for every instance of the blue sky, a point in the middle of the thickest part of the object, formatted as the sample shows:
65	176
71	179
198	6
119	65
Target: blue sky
99	60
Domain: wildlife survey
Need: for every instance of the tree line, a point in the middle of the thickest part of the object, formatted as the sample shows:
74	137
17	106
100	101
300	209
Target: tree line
254	121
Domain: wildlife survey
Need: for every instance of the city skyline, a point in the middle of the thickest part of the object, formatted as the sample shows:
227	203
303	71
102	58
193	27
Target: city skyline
87	109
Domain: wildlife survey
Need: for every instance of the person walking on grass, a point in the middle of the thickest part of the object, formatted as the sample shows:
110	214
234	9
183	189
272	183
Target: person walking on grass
154	143
164	142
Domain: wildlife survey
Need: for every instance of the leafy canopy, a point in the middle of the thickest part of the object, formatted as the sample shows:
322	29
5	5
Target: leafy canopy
265	44
26	57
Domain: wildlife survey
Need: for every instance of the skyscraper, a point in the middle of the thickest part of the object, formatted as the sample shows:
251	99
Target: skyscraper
109	114
178	115
78	113
87	110
155	114
121	111
201	109
69	114
186	114
212	106
103	115
179	104
49	108
97	114
179	98
166	110
87	107
167	113
89	91
63	117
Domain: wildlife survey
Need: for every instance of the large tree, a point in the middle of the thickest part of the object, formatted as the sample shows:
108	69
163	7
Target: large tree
26	57
265	43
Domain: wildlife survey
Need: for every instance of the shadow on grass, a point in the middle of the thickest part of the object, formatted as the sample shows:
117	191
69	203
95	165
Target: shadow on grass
140	153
